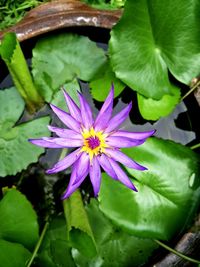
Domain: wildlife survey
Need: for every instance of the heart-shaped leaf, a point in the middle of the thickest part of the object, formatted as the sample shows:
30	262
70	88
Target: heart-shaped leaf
13	254
152	37
16	152
167	196
61	58
18	220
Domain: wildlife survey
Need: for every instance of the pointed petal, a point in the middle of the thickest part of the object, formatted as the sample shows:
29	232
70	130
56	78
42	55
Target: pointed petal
121	175
105	164
86	112
117	141
45	143
117	155
95	175
74	177
65	163
82	166
66	118
61	132
105	112
117	120
64	142
73	108
134	135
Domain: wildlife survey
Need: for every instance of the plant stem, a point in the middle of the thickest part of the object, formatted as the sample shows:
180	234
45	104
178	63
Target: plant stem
38	244
176	252
191	90
195	146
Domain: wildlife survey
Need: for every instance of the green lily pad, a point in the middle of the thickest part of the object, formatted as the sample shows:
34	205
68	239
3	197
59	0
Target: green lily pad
115	247
13	254
62	58
18	220
168	192
151	109
16	152
100	87
153	37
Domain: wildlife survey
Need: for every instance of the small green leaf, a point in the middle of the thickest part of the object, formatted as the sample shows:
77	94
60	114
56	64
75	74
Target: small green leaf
16	152
78	227
116	248
62	58
55	250
152	37
151	109
18	220
100	87
165	201
13	254
13	56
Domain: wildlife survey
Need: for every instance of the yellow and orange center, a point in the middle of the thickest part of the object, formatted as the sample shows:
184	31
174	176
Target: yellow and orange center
94	142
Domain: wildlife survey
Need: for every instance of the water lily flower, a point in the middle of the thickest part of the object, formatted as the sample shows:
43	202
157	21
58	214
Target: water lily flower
97	142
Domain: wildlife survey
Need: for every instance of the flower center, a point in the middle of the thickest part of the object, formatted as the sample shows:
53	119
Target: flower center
94	142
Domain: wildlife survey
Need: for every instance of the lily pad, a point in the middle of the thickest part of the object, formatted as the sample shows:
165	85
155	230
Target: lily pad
164	195
18	220
153	37
16	152
62	58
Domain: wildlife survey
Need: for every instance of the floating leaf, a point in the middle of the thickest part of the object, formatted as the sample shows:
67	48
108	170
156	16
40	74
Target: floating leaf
61	58
100	87
116	248
18	220
152	37
165	201
78	227
55	250
16	152
151	109
13	254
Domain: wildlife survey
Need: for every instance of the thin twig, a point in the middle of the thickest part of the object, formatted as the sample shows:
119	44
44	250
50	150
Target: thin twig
191	90
195	146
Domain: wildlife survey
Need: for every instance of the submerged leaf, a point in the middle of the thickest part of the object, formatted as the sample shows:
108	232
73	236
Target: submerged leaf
165	201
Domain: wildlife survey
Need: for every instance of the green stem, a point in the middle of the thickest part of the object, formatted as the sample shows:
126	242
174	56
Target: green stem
176	252
38	244
191	90
195	146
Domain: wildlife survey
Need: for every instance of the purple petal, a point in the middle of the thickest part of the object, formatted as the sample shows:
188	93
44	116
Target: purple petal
117	141
133	135
66	118
86	112
64	142
117	155
74	177
73	108
64	132
105	112
66	162
82	166
105	164
95	175
121	175
117	120
44	143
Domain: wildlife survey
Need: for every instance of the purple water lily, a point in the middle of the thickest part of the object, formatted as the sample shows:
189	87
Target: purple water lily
98	143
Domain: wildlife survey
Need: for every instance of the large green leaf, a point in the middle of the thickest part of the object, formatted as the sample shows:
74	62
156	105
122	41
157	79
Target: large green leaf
78	226
152	37
13	254
116	248
61	58
16	152
167	196
18	220
55	250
